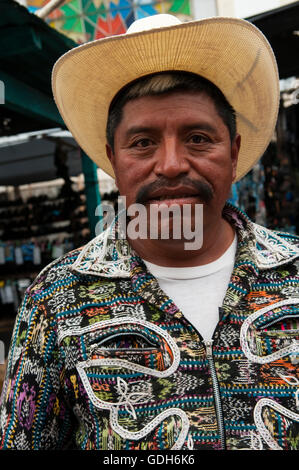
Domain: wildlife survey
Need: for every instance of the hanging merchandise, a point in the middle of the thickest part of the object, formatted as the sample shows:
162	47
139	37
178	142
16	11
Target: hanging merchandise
68	245
34	232
57	250
22	285
37	259
2	253
19	260
9	253
8	293
11	295
7	300
27	250
3	297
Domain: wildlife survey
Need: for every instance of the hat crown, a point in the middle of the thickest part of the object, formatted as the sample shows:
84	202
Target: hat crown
151	22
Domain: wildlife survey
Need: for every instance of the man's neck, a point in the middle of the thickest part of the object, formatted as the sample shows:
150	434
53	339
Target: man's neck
173	253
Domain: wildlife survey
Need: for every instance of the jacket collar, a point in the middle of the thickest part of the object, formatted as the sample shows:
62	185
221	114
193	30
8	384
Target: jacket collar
110	255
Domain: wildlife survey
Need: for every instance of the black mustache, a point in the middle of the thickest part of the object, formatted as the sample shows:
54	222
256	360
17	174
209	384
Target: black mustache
202	188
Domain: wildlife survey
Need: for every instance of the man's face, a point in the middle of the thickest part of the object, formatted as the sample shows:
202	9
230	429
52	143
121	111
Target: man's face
174	149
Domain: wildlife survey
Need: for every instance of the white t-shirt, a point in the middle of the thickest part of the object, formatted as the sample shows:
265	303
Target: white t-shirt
198	291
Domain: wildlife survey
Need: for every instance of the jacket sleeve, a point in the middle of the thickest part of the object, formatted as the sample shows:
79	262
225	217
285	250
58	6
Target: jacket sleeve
33	411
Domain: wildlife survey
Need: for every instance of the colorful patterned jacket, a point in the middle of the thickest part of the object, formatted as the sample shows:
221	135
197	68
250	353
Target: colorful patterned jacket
101	358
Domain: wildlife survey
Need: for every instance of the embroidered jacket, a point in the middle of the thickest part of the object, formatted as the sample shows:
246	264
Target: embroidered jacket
101	358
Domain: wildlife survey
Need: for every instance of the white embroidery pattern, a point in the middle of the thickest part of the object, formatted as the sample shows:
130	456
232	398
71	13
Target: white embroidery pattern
292	348
256	442
96	327
258	419
135	436
277	251
123	362
293	381
129	399
92	260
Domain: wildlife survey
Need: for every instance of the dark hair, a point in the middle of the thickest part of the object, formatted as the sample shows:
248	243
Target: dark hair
168	82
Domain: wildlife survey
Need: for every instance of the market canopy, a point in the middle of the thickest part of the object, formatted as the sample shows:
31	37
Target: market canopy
86	20
30	157
28	49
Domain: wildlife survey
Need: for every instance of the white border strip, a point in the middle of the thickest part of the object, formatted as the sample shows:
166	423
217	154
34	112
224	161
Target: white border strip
123	362
258	419
294	347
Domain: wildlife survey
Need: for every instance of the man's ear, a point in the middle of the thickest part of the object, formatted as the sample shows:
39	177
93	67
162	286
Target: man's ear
111	157
235	148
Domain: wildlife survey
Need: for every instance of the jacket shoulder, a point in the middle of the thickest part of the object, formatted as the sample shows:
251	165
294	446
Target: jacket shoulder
275	248
291	238
55	276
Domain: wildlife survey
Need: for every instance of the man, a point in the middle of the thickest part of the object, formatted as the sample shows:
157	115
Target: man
138	342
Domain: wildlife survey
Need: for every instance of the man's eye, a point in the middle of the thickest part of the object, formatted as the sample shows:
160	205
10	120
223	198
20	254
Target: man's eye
143	143
198	139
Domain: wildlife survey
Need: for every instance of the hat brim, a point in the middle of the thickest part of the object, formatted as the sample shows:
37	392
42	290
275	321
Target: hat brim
230	52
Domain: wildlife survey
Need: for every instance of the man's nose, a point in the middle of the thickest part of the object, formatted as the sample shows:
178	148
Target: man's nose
171	159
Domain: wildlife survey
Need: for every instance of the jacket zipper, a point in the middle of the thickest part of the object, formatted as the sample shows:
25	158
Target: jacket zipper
216	391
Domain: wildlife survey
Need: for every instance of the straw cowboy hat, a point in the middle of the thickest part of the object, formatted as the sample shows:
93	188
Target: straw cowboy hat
230	52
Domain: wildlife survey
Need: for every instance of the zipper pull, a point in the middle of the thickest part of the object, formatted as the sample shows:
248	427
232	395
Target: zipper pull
209	347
